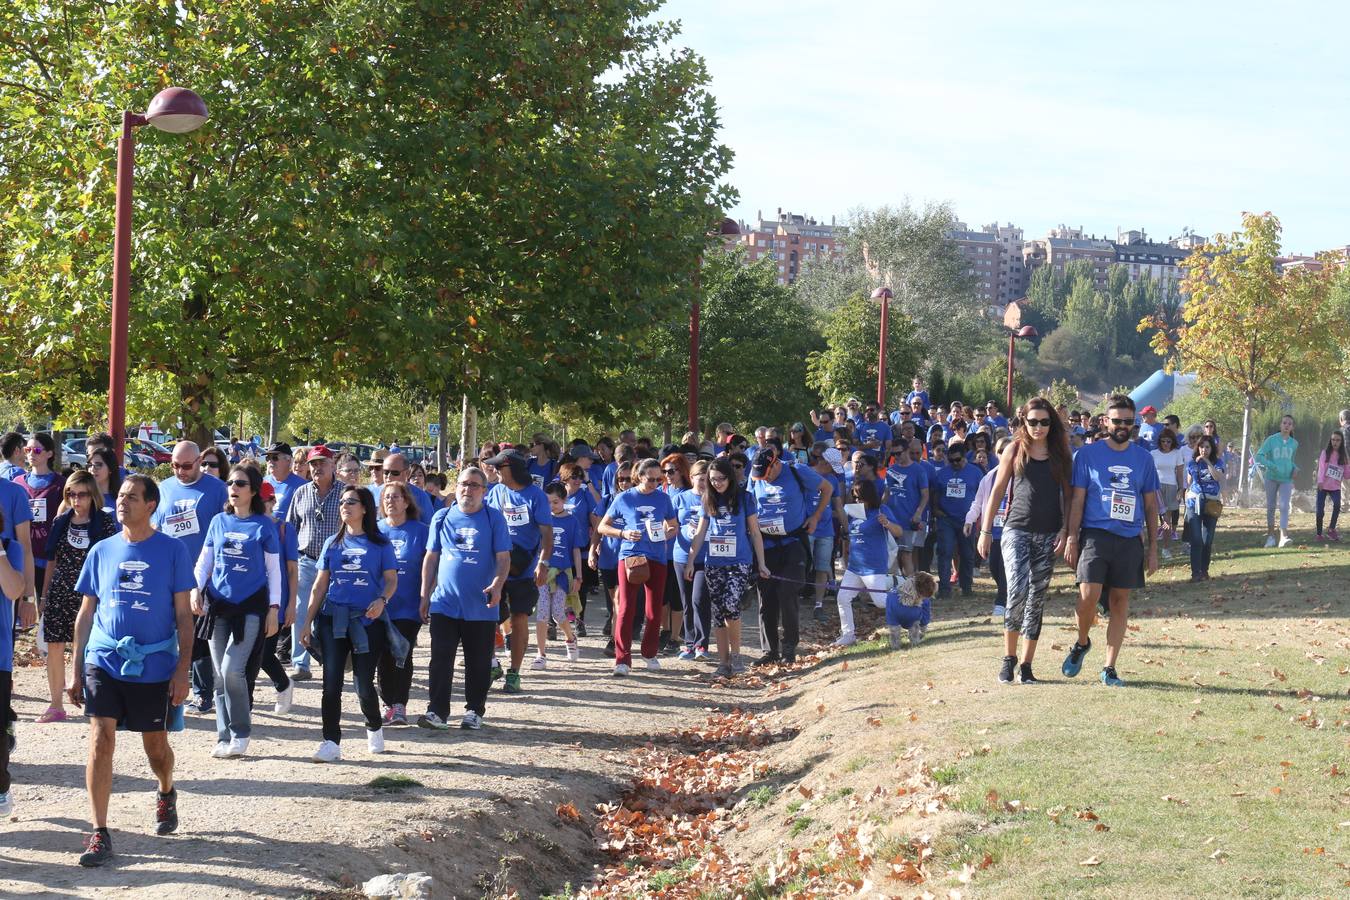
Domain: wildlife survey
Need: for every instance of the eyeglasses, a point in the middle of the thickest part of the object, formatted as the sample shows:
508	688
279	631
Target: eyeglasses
717	479
1038	423
238	482
184	467
1126	422
393	471
350	501
35	450
76	495
475	485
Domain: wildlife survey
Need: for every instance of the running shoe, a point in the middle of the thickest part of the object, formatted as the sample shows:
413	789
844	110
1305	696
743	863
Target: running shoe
1073	663
1270	541
300	675
702	655
513	682
200	706
1005	672
1334	535
497	671
375	740
6	804
573	654
471	721
687	654
285	699
1166	554
841	642
166	812
552	631
1320	539
620	670
328	752
737	665
432	722
769	659
540	662
1286	541
222	750
999	611
98	849
1024	671
915	634
581	628
238	747
789	657
398	717
1110	678
724	670
653	664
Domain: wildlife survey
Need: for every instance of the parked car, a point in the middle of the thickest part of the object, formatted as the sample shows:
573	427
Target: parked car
72	456
157	452
131	458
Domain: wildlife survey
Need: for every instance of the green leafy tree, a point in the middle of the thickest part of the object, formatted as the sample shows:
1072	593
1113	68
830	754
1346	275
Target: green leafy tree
848	364
359	413
466	197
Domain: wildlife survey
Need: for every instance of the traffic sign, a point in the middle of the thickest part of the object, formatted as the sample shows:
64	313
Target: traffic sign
434	429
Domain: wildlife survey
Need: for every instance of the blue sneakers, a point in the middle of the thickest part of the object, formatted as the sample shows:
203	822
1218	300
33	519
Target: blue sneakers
1110	678
1073	663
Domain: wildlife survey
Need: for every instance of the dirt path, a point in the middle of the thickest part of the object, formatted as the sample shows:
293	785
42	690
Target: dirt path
276	824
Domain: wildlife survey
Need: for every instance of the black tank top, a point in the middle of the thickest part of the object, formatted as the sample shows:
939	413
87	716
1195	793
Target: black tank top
1036	500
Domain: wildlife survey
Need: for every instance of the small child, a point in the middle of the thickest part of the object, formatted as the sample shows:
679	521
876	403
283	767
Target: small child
564	570
910	606
1331	473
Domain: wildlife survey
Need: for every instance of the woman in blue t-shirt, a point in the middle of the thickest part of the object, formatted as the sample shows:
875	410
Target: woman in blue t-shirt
237	601
693	595
604	554
730	524
675	468
358	574
1204	483
403	526
868	564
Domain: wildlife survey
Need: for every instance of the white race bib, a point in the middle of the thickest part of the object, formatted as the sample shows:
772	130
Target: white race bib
956	490
1123	506
998	520
773	526
78	539
538	481
656	529
39	507
723	546
181	524
1335	473
517	516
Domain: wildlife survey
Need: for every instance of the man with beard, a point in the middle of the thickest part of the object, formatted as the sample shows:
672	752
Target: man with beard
1115	493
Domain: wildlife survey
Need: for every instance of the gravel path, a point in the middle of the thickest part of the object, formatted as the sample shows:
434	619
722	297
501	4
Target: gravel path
275	824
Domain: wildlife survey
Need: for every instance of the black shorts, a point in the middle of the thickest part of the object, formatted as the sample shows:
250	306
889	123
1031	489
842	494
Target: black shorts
136	705
519	598
1110	560
609	579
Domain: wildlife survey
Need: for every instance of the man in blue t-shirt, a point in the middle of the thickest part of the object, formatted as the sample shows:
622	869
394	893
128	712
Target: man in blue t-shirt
1115	500
952	490
907	504
824	422
188	502
993	416
281	476
133	646
1150	428
874	434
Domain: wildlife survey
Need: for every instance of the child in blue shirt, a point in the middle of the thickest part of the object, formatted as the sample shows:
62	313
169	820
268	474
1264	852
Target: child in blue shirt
564	576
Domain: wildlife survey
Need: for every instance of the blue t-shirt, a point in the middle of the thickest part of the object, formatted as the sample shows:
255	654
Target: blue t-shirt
825	527
921	395
783	502
727	542
14	503
541	471
135	584
1199	482
285	490
9	471
14	553
904	487
567	535
239	570
826	436
290	553
582	504
468	545
1115	482
878	431
609	546
185	511
868	549
646	513
355	569
688	513
607	480
996	421
526	511
409	541
953	492
1148	434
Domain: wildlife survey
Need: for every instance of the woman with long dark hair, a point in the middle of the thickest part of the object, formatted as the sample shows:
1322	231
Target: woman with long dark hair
403	526
45	486
358	574
1033	474
693	592
675	468
1204	486
108	476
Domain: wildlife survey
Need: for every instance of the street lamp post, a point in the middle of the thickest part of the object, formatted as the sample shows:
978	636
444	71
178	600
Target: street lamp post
1026	332
727	228
175	110
884	295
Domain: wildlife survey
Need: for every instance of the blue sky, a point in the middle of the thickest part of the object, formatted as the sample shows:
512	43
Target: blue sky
1105	115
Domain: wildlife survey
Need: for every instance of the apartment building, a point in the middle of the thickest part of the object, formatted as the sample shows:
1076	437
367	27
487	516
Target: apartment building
790	240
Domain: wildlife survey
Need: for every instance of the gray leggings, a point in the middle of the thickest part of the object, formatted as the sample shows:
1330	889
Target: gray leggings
1280	491
1028	562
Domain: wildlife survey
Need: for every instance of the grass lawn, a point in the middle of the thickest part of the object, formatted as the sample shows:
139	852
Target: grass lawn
1223	768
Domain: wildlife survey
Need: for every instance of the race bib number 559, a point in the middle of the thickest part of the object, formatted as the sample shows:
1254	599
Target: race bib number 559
1123	506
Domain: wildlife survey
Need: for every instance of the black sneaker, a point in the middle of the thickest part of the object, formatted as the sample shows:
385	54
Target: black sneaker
769	659
98	849
166	812
819	614
581	628
609	646
1024	673
1005	672
608	629
552	631
789	657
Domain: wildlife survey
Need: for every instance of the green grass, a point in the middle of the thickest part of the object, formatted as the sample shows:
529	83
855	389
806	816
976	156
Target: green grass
800	824
1203	751
393	783
795	804
761	796
668	878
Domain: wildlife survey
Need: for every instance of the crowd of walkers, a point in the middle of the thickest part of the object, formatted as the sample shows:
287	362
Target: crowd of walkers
173	596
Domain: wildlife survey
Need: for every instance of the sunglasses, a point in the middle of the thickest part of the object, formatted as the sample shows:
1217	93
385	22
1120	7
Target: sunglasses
76	495
38	450
1038	423
210	464
238	482
1122	421
183	467
671	471
350	501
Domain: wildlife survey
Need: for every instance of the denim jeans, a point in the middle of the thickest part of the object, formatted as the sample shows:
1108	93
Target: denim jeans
306	571
1335	498
229	661
1202	542
335	651
1280	491
953	542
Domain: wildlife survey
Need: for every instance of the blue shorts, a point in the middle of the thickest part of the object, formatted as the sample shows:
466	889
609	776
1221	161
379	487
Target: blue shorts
822	553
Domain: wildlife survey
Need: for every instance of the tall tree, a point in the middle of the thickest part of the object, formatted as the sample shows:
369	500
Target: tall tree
848	364
1250	326
463	196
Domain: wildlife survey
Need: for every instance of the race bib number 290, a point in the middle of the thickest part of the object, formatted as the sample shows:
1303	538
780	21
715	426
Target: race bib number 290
181	524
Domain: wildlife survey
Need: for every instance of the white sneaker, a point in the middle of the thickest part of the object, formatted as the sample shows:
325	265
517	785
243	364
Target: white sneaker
375	741
844	641
999	611
1270	541
573	654
328	752
1286	541
540	662
471	720
620	670
653	664
6	803
238	747
285	699
222	750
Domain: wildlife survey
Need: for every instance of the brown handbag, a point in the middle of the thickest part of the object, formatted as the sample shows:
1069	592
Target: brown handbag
637	570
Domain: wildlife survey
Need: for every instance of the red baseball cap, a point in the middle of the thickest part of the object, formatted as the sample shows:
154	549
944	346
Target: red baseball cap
267	492
1148	409
319	452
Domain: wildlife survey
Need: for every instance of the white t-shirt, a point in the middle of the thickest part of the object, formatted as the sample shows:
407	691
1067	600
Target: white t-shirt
1167	464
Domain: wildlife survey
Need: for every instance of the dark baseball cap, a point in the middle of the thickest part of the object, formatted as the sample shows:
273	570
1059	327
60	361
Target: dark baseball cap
279	448
513	458
763	460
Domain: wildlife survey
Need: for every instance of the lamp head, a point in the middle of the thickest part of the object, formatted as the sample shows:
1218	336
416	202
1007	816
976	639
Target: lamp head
176	110
1026	331
882	293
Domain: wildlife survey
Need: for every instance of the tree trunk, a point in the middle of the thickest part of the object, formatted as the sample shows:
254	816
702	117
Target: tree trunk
271	420
468	428
442	439
199	410
1243	484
